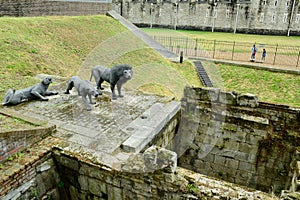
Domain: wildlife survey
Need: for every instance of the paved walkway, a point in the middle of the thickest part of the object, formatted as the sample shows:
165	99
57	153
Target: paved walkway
143	36
102	131
288	70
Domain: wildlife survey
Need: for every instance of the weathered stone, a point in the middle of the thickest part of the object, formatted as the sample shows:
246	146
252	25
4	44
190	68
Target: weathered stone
83	182
247	100
227	98
246	166
70	163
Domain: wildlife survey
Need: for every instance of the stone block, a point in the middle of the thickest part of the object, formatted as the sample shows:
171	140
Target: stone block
74	192
231	163
210	139
243	177
219	160
247	100
231	144
244	147
253	139
151	123
207	158
227	98
139	140
114	193
94	186
238	136
167	159
69	162
246	166
83	182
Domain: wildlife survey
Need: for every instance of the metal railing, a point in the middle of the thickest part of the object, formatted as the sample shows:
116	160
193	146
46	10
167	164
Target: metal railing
279	55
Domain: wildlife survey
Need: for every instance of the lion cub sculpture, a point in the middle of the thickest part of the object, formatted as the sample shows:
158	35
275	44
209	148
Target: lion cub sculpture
117	75
35	92
84	88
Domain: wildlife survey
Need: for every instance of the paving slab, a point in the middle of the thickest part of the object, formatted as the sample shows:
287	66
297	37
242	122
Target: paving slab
102	130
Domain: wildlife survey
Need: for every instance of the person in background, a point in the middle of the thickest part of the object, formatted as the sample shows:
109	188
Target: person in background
263	56
253	52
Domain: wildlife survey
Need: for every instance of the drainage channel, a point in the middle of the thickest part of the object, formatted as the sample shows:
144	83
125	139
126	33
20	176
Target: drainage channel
202	74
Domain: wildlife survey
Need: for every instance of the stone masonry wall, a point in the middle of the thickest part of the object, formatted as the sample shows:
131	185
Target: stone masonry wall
33	174
238	139
14	141
255	16
21	8
48	172
151	175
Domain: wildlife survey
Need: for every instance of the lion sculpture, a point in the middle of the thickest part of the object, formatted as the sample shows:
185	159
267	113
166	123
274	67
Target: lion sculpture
84	88
117	75
35	92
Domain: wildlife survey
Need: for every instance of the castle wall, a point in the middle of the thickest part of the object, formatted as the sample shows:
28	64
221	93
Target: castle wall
256	16
236	138
21	8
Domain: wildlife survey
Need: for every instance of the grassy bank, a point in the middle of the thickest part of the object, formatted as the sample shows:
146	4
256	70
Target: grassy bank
221	36
66	46
270	87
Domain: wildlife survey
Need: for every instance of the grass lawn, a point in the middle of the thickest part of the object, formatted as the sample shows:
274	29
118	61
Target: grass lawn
268	86
66	46
220	36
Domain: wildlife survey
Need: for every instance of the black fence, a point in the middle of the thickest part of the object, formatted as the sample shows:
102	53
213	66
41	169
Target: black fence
236	51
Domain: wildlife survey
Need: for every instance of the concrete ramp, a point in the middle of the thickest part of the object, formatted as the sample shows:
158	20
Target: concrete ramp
143	36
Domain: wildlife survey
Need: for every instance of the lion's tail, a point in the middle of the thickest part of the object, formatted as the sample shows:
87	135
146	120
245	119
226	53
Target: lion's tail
91	76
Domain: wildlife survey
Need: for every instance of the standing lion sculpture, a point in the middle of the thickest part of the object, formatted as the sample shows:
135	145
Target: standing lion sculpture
37	91
117	75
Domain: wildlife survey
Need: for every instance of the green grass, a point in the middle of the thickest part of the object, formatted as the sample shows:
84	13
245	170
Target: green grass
221	36
268	86
66	46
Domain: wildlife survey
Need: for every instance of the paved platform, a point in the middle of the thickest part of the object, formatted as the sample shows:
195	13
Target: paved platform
100	133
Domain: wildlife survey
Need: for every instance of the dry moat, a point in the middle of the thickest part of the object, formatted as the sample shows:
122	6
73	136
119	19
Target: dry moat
210	145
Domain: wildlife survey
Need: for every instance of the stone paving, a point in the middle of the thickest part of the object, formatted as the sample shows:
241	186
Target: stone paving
102	130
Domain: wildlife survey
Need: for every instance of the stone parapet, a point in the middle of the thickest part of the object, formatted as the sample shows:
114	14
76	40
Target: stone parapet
149	125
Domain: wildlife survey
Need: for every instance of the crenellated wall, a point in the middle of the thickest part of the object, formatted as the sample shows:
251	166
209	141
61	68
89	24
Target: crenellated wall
238	139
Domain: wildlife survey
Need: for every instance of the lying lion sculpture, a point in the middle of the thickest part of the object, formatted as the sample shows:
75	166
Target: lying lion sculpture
117	75
84	88
38	91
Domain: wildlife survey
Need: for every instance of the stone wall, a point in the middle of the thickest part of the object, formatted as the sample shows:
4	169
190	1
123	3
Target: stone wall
151	175
238	139
14	141
33	174
256	16
20	8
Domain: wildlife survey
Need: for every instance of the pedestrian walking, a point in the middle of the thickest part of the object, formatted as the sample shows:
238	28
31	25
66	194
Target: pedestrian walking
253	53
263	56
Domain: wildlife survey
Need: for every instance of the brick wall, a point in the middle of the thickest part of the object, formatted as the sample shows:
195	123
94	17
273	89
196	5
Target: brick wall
14	141
238	139
22	8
